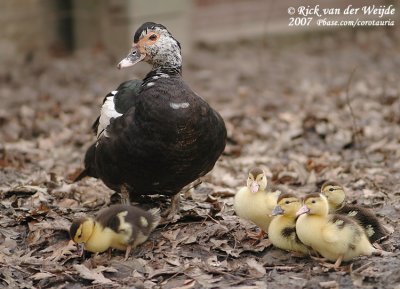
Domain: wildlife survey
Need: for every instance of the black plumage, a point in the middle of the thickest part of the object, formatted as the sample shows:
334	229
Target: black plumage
90	166
367	219
123	99
166	136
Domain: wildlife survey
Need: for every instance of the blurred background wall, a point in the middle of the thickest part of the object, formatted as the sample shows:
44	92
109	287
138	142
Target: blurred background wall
64	26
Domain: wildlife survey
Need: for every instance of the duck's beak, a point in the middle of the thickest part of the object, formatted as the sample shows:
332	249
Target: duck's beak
302	210
277	211
254	187
133	57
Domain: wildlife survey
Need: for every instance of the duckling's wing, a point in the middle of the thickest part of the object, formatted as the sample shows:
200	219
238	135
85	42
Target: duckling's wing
367	219
115	217
329	234
337	223
290	233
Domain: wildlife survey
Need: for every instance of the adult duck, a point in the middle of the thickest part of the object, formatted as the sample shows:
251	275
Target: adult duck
156	135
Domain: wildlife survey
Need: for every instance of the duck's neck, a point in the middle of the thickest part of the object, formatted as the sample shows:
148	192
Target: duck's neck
167	69
162	72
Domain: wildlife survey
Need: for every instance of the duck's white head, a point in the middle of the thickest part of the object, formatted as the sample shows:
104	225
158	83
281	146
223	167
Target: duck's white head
154	44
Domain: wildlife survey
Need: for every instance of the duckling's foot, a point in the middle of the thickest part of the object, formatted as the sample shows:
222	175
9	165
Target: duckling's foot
323	262
171	213
380	252
127	252
109	253
257	236
338	262
319	259
93	262
377	246
297	254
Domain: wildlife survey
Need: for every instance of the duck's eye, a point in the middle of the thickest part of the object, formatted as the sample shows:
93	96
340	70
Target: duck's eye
287	202
153	37
313	201
331	189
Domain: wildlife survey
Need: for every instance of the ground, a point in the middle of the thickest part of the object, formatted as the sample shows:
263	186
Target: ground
309	108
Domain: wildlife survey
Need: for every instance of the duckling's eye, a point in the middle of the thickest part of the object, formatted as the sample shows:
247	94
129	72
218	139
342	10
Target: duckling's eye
313	201
80	235
287	202
331	189
153	37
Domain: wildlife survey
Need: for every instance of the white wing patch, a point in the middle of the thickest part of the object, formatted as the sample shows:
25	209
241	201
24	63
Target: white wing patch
352	214
175	105
107	112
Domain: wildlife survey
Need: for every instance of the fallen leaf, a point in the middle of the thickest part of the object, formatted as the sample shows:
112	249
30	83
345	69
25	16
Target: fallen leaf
42	275
256	269
96	277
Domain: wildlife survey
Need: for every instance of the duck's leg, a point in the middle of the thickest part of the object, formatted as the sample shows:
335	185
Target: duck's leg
174	208
127	252
187	194
124	195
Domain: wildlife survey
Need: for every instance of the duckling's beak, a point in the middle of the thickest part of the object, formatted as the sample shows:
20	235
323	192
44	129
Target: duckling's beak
80	249
133	57
254	187
277	211
302	210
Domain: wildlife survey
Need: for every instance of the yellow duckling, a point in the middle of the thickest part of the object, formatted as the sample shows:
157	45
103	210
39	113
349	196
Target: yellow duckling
121	227
254	203
336	237
336	196
282	230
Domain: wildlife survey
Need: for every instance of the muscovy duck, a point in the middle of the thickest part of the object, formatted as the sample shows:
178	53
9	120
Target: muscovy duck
154	136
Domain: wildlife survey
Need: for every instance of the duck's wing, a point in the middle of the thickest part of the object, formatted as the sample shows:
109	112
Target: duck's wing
116	103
